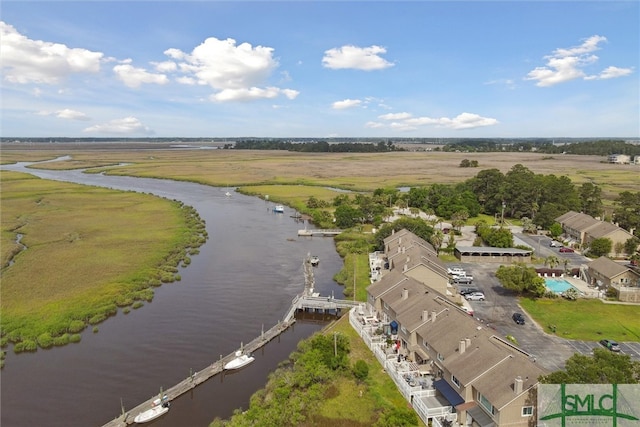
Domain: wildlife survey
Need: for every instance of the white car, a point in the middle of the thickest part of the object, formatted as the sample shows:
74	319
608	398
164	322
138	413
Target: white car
475	296
456	271
555	244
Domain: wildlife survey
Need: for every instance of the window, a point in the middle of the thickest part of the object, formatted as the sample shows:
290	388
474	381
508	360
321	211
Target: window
455	381
386	306
527	411
440	357
424	343
403	329
484	402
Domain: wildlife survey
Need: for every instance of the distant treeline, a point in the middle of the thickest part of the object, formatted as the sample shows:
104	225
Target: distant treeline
316	147
597	148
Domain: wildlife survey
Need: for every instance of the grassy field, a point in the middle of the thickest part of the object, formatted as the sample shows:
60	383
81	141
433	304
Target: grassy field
586	319
377	391
88	251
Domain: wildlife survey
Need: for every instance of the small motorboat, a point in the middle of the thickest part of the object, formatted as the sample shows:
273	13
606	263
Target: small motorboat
240	361
314	260
278	209
153	413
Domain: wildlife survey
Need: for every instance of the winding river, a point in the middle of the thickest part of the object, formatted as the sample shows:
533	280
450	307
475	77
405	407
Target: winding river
243	280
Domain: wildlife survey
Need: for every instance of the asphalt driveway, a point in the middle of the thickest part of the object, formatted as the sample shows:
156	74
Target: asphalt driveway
549	350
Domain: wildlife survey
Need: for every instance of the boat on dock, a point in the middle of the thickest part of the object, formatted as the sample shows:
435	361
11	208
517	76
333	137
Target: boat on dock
153	413
240	361
278	209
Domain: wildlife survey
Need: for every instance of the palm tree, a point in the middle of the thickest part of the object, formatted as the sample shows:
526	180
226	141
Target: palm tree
436	240
552	261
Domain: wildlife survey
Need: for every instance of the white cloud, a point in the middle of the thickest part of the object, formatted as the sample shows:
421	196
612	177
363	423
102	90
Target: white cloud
165	66
406	122
567	64
65	114
611	73
236	72
395	116
71	114
133	77
346	103
252	93
359	58
35	61
125	126
374	125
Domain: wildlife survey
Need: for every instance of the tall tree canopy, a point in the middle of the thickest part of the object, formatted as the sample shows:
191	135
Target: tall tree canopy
604	367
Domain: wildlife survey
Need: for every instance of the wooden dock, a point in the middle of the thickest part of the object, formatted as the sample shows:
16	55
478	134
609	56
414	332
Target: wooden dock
324	232
307	301
201	376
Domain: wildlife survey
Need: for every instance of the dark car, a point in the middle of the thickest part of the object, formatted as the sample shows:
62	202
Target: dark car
463	280
566	249
610	344
466	291
518	318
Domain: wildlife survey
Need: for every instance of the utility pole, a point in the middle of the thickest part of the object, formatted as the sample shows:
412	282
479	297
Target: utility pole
502	220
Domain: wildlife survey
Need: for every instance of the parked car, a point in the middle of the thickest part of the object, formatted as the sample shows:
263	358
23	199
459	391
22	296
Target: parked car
463	280
466	291
610	344
456	271
566	249
518	318
475	296
555	244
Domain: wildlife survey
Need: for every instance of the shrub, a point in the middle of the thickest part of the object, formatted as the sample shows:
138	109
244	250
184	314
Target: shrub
361	370
137	304
75	338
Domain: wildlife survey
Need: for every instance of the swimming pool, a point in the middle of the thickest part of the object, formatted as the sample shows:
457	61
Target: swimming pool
558	285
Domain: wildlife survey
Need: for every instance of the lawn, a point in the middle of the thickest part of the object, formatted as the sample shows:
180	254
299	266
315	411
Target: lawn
586	319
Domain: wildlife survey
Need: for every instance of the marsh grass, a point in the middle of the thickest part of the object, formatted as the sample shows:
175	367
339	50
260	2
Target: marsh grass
586	319
89	250
353	171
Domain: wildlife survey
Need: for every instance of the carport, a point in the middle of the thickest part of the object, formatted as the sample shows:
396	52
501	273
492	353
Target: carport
489	254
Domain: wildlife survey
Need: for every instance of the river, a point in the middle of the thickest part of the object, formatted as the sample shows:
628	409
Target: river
243	280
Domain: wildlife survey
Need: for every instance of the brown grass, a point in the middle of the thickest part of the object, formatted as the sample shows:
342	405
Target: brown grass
356	171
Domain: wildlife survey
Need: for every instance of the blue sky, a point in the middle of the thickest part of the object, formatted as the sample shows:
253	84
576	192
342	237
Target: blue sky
320	69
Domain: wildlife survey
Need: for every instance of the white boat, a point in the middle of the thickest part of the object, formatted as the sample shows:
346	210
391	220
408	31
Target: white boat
278	209
240	361
228	194
152	414
314	260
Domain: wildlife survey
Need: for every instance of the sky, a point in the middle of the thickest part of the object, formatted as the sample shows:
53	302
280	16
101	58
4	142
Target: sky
323	69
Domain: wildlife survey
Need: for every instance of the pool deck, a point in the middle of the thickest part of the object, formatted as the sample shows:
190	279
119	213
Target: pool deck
584	287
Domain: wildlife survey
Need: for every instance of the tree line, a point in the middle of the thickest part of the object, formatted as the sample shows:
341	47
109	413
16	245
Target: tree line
315	147
595	148
535	199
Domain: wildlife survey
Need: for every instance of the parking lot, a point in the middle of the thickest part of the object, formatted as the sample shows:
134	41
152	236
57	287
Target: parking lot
549	350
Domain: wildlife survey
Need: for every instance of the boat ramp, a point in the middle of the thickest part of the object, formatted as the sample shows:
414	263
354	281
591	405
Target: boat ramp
308	301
